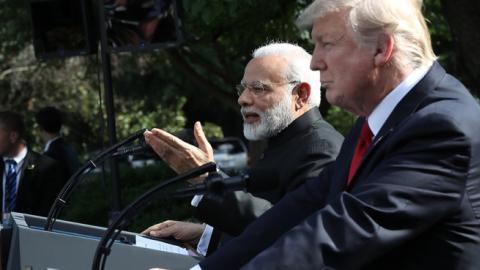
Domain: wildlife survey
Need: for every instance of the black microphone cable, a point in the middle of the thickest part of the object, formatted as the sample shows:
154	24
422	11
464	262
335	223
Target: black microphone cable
73	181
123	220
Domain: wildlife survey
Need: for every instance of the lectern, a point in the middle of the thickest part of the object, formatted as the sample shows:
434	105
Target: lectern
71	246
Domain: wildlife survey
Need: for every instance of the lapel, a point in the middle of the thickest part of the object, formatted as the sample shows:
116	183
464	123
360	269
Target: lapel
2	167
342	163
28	169
405	108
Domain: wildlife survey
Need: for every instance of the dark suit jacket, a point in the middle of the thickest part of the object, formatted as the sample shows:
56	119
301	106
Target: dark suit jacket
65	155
298	152
39	184
414	202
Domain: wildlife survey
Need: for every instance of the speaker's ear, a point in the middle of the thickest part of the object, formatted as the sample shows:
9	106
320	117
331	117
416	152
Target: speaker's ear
302	92
384	49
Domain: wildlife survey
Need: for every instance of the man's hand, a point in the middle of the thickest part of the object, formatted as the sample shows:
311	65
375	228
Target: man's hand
179	155
186	232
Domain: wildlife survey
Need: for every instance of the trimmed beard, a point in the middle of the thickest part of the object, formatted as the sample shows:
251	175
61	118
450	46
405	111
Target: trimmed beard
272	121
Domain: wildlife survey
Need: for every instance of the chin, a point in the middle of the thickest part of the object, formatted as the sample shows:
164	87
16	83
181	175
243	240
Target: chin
334	99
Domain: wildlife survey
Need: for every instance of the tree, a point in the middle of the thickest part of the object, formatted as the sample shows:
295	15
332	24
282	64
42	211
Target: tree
172	88
463	17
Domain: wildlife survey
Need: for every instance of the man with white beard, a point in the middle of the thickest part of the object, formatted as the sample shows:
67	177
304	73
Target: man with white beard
279	97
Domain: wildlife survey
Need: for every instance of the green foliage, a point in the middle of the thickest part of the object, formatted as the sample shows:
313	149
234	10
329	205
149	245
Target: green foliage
340	119
132	117
90	201
14	32
442	40
212	130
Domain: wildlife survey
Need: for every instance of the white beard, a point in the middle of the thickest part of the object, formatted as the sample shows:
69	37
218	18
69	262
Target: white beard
272	121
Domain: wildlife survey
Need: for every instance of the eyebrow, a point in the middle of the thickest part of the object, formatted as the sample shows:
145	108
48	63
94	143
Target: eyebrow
254	82
331	37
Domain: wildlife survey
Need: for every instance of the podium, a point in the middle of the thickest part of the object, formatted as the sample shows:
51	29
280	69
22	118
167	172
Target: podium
71	246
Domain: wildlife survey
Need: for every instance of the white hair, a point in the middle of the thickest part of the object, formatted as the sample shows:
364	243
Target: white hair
402	19
298	67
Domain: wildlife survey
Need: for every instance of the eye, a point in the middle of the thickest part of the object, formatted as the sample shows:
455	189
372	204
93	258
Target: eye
327	45
257	88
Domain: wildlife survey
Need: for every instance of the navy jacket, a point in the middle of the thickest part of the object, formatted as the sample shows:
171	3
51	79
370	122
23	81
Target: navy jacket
65	155
414	202
39	185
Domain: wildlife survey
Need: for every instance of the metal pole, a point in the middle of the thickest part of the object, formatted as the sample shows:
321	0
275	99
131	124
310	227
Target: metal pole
110	107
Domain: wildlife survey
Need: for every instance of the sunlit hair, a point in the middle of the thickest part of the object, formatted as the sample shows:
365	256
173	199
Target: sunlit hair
402	19
298	67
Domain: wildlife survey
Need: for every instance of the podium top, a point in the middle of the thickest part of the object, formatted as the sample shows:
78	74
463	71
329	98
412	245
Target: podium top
72	245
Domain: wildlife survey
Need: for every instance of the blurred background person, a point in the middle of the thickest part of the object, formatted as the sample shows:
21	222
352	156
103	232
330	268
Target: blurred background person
50	121
30	181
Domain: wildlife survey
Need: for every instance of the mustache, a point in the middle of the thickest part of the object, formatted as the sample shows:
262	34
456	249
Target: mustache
245	110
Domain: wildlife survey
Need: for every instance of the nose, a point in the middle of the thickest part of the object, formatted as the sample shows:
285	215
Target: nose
318	60
245	99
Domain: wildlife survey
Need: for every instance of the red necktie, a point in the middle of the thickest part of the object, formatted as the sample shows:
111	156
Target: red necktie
364	142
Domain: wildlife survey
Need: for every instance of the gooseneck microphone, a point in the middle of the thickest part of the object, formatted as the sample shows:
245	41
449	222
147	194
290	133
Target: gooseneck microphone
258	180
142	148
68	188
214	185
135	208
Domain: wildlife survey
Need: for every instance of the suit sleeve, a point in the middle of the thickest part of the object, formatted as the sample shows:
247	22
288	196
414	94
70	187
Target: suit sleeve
233	212
52	182
276	221
238	209
420	182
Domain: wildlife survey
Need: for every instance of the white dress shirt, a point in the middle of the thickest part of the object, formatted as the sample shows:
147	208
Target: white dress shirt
20	160
383	110
49	142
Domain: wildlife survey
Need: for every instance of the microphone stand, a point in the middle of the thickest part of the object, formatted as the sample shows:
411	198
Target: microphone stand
123	220
214	185
73	181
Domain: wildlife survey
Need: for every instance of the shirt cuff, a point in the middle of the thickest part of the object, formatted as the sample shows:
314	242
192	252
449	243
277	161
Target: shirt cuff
196	200
202	246
196	267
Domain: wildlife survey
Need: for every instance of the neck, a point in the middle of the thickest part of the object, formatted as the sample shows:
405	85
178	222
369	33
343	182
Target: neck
15	150
50	136
300	112
386	81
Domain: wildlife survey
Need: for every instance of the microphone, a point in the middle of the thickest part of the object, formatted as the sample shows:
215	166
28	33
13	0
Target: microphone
142	148
216	185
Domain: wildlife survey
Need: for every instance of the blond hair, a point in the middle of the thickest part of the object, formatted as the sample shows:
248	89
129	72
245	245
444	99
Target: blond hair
403	20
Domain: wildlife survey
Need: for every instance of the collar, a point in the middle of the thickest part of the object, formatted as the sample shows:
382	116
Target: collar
383	110
47	145
19	157
298	125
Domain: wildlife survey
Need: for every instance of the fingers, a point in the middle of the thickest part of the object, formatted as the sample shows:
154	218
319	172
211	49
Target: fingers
159	226
166	232
202	141
167	153
169	139
179	155
158	145
176	229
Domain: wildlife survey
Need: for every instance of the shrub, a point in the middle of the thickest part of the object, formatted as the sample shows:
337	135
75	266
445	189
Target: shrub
90	202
